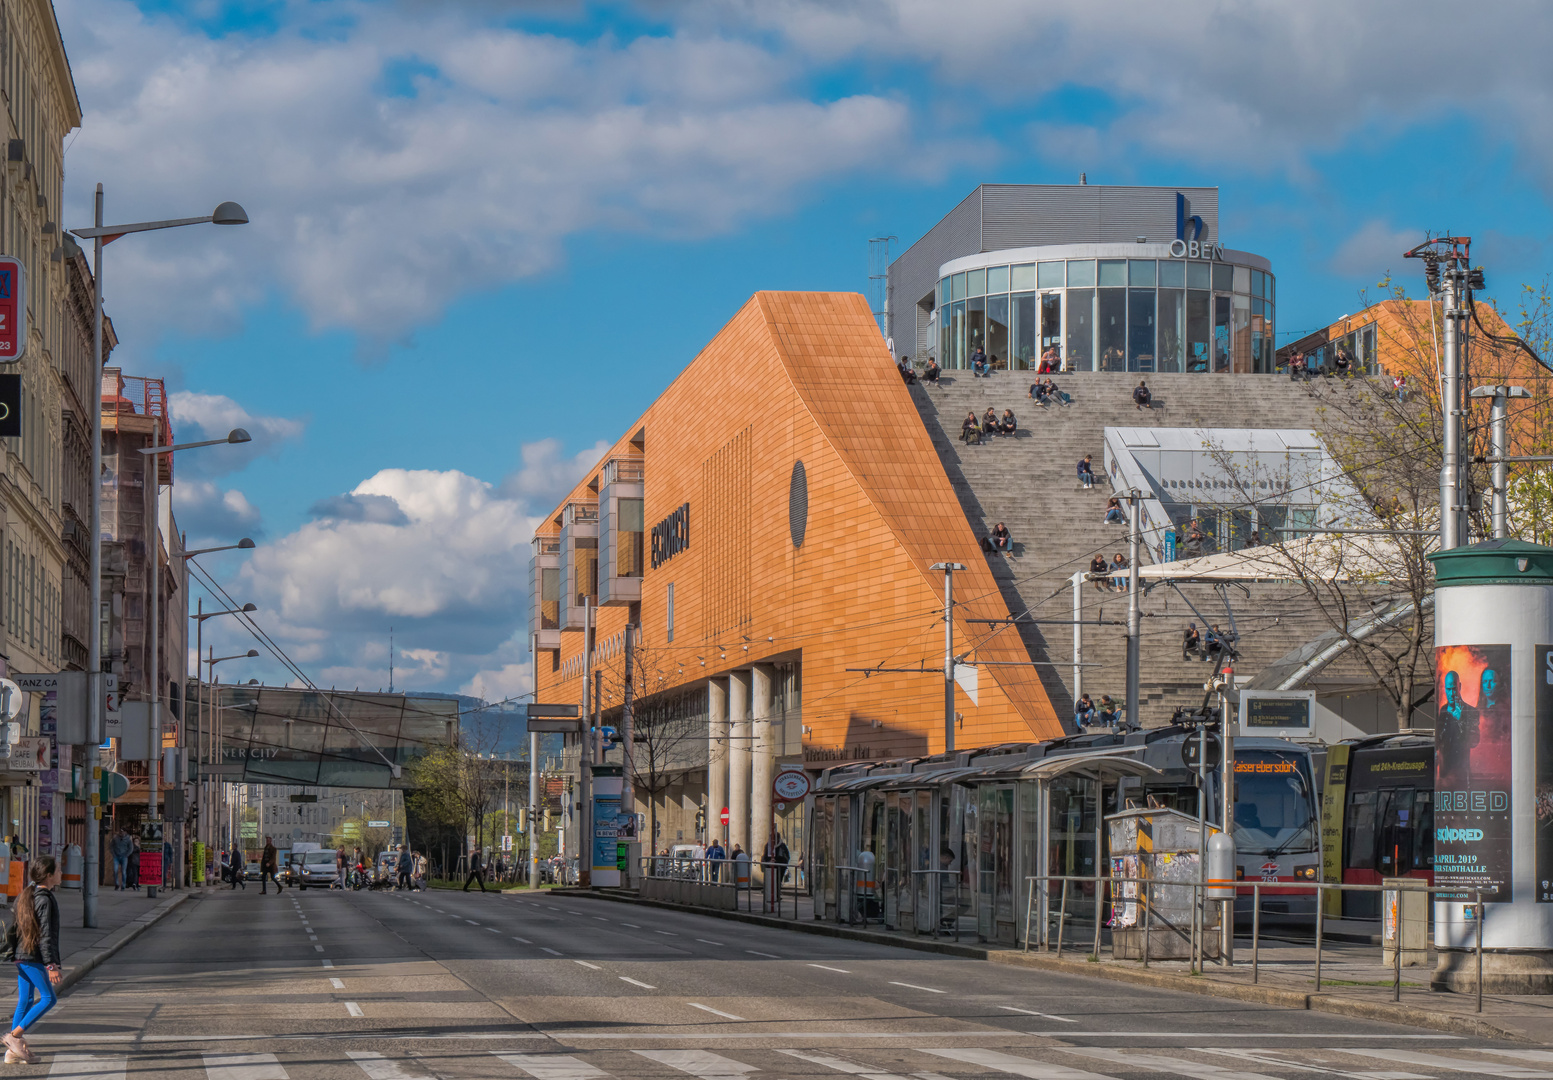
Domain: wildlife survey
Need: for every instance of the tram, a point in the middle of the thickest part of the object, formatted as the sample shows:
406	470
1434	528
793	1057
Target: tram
955	836
1378	816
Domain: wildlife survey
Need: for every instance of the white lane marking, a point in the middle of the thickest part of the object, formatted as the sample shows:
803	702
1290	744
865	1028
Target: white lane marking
439	911
715	1012
1267	1057
312	937
244	1067
699	1063
378	1067
327	963
354	1009
665	933
1015	1066
914	986
601	918
868	1072
767	955
632	925
318	948
585	964
709	941
822	967
552	952
637	982
1031	1012
1198	1070
1435	1061
471	922
88	1067
493	929
552	1066
338	984
524	940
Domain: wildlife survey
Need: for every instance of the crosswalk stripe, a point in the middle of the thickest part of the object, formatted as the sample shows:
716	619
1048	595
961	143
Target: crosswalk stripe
699	1063
88	1067
553	1066
378	1067
1524	1055
1015	1066
243	1067
1439	1061
864	1071
1198	1070
1280	1059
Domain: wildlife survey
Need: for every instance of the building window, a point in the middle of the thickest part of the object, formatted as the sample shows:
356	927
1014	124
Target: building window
669	635
628	539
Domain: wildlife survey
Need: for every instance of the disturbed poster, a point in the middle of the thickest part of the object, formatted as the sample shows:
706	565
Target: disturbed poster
1472	786
1544	786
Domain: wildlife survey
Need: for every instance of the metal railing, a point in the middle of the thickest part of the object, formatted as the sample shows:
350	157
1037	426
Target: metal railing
1144	900
767	895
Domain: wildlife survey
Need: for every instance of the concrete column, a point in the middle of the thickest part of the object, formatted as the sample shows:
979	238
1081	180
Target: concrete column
716	759
762	760
739	746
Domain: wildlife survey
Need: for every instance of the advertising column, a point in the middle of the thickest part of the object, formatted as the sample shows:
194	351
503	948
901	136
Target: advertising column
1493	798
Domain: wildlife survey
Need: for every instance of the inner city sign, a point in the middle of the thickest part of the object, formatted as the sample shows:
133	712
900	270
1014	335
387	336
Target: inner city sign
671	536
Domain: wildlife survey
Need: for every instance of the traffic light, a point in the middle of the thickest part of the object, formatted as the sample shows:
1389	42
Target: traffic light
547	819
523	819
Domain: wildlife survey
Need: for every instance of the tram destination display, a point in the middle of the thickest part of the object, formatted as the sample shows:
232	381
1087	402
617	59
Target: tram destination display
1474	791
1278	714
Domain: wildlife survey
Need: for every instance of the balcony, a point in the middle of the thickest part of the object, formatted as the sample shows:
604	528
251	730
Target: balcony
544	589
621	532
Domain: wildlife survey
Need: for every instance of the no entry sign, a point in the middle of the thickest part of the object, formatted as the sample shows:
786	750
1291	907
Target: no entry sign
13	309
723	817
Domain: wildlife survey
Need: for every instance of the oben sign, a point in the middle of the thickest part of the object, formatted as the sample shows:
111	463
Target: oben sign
1196	249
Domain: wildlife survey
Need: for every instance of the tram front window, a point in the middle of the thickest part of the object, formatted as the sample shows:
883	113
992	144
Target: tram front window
1275	805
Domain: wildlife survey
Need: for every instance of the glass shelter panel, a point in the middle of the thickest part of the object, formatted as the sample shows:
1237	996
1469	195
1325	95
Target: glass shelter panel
1113	329
1081	330
1023	329
1140	328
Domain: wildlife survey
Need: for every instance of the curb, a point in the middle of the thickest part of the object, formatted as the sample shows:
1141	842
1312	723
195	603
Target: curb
83	961
1386	1011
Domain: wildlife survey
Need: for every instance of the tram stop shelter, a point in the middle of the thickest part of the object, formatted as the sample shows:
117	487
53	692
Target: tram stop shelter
1100	768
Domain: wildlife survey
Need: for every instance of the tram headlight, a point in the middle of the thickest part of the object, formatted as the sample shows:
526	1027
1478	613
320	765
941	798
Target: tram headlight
1305	873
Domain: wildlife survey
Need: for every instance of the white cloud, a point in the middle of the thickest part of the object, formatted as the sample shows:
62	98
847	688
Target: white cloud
1375	250
196	417
547	474
393	159
205	510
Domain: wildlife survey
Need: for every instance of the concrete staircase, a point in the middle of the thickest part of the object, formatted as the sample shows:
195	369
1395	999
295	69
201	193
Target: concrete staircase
1029	483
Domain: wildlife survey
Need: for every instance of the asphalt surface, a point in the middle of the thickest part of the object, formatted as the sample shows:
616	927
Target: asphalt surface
451	986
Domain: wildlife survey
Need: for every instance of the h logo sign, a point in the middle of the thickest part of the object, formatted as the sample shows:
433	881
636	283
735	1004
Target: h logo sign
1186	220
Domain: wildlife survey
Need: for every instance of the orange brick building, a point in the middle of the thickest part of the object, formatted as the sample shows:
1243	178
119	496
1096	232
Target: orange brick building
768	525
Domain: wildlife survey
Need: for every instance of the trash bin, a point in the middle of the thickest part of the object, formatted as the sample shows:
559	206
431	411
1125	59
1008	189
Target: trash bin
1405	921
71	878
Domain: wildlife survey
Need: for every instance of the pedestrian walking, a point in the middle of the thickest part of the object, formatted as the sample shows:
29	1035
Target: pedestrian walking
418	873
269	862
714	859
132	879
341	864
476	870
33	942
405	865
120	848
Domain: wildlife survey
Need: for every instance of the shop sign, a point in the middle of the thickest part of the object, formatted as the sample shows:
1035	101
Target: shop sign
671	536
1196	249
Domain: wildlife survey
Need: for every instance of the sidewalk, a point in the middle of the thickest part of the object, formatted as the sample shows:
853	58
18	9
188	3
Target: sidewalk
1353	980
121	918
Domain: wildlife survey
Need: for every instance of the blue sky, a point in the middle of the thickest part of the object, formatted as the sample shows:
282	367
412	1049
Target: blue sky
484	237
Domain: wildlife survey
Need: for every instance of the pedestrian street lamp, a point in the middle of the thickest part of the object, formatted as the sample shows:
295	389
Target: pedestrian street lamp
154	553
227	213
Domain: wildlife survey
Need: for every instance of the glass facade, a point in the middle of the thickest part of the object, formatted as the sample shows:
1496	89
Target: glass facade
1113	315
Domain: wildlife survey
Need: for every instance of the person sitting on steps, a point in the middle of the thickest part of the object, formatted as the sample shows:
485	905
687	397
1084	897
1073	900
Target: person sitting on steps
970	430
931	372
1008	425
1002	539
1141	397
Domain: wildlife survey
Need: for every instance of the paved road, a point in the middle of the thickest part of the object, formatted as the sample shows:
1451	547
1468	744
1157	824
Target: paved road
449	986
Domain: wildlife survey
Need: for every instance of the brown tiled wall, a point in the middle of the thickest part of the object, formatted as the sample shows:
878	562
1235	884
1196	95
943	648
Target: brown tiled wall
806	376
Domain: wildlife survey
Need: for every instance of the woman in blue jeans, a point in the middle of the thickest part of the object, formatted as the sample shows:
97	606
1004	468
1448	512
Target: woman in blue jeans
34	941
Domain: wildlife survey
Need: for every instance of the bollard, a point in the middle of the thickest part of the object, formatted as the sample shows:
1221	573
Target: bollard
1479	921
1062	917
1256	928
1029	903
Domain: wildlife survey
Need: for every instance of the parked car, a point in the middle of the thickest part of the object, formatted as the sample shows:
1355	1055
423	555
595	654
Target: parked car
251	870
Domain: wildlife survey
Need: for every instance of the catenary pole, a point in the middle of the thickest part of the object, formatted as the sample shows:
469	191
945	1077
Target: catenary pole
1451	516
94	691
948	568
1134	535
154	581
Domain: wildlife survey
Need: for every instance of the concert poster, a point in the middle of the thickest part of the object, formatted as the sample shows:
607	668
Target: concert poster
1473	787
